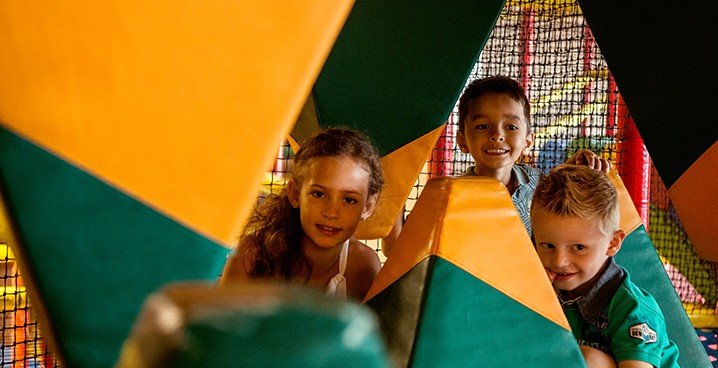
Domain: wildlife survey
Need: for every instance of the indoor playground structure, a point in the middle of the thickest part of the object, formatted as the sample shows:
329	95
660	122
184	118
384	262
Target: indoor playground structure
135	138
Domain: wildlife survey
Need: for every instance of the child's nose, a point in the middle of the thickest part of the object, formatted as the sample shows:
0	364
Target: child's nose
497	136
331	209
561	258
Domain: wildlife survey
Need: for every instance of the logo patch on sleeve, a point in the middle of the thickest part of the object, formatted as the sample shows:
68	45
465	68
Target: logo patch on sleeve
643	332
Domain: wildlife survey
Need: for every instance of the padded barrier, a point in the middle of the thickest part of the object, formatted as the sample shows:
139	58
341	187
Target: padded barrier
464	286
125	128
639	257
252	325
90	253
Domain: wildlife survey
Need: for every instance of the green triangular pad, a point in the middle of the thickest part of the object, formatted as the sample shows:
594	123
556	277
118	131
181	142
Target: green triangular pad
639	257
439	315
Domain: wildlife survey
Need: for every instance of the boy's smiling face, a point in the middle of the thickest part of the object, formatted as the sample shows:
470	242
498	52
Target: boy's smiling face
495	134
572	250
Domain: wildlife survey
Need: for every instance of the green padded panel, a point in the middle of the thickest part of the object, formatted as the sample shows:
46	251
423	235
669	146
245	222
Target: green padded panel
662	55
94	252
639	257
399	308
253	325
463	322
398	67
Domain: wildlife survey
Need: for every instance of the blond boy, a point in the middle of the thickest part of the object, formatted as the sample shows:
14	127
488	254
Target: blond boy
575	219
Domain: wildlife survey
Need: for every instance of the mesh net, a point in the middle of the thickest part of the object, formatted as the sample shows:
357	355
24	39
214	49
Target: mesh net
547	46
22	345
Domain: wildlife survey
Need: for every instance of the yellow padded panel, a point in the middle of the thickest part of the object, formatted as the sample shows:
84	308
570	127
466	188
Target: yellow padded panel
178	103
401	168
630	220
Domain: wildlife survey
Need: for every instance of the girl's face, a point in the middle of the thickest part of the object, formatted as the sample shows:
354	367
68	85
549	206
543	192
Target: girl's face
495	133
332	200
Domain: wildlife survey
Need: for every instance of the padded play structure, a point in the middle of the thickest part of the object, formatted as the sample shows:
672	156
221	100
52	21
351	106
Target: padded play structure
258	325
465	273
124	137
134	136
464	286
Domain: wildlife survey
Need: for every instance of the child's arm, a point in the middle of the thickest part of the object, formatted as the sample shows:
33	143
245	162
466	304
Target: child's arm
362	267
636	330
596	358
387	242
590	159
634	364
235	269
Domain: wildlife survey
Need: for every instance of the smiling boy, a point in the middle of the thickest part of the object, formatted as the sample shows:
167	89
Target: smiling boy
495	129
575	218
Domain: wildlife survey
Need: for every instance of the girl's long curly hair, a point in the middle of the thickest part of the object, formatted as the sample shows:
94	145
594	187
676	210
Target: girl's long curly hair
273	233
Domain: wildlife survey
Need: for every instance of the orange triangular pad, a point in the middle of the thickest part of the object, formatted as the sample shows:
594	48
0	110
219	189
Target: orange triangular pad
630	220
463	268
695	199
401	168
471	222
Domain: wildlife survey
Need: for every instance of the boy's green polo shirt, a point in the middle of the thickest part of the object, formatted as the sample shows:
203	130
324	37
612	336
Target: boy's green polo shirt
621	319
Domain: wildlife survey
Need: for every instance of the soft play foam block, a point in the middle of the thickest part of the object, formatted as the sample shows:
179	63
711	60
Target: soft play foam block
464	286
133	138
639	257
252	325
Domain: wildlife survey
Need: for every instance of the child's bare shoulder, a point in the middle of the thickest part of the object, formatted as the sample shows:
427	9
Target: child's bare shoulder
364	254
362	267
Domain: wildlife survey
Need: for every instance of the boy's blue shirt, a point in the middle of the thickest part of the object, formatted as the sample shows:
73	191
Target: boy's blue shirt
621	319
527	178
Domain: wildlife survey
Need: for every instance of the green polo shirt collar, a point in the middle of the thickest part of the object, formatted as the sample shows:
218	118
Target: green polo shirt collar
595	301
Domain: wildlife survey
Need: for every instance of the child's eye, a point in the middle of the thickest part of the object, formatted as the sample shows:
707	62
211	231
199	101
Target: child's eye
481	126
317	194
579	247
547	246
513	127
350	200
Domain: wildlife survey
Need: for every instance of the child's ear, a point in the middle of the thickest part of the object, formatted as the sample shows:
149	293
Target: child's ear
461	142
615	244
529	142
293	193
369	206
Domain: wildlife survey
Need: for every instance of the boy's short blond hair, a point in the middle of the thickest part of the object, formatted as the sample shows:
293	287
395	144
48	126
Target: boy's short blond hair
579	191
